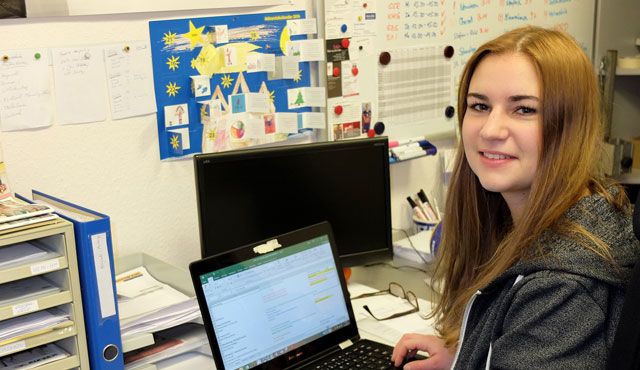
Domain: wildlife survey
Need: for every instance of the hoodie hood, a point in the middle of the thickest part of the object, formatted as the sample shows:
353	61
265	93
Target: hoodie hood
612	226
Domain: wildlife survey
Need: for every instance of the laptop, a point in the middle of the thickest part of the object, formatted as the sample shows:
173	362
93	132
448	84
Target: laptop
282	304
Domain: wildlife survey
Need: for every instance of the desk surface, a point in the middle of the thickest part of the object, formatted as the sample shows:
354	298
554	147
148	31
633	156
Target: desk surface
376	276
380	275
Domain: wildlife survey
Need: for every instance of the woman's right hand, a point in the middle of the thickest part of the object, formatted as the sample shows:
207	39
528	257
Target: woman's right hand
440	358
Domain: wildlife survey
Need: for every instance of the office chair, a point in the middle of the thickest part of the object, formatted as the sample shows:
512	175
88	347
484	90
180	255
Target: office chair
625	352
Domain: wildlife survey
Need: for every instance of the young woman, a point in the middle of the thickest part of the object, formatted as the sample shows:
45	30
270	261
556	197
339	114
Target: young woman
537	245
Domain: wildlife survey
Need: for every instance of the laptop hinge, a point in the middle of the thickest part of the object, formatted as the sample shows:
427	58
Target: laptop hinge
345	344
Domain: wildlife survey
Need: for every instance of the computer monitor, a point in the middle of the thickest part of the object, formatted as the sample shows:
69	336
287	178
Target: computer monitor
249	195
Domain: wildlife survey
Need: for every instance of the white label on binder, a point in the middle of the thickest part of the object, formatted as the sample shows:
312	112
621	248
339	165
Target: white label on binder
25	307
13	347
103	274
46	266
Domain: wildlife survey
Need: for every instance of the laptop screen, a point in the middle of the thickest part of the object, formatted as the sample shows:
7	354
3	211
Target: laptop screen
271	304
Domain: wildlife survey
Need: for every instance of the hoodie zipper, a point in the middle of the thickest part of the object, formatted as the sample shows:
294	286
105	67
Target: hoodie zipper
463	328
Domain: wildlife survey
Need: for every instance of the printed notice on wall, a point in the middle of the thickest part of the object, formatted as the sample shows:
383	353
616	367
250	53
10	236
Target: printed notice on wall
130	80
25	92
79	76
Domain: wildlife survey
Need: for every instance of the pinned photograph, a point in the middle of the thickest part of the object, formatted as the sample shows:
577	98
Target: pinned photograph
366	117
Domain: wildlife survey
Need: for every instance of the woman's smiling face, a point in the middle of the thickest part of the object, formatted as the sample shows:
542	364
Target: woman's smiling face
502	126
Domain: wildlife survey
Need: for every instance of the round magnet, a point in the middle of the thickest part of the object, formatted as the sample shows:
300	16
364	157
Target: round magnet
449	111
336	71
343	28
360	47
345	43
364	5
5	58
385	58
354	70
337	110
448	51
378	128
37	56
371	133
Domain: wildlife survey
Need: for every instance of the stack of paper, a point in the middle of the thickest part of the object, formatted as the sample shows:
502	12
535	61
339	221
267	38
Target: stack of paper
33	324
388	331
25	289
169	343
20	254
147	305
33	357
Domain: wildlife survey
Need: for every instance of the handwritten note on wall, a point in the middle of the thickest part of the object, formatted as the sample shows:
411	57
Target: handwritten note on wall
130	80
80	83
25	93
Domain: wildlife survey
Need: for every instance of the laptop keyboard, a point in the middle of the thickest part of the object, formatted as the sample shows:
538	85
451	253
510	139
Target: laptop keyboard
362	355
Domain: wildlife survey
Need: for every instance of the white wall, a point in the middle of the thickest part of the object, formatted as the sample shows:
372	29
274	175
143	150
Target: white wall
114	167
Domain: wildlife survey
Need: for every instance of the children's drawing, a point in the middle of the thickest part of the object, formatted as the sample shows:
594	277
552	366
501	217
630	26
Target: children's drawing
216	50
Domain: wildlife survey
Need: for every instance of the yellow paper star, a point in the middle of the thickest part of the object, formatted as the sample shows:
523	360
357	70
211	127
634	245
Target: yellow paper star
193	63
211	135
173	62
272	95
254	35
172	89
226	81
169	38
298	76
175	142
194	35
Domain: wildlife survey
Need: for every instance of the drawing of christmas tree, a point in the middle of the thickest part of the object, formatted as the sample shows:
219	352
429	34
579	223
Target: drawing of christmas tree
299	99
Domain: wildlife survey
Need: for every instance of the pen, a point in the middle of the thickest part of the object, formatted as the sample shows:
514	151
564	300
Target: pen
431	206
416	210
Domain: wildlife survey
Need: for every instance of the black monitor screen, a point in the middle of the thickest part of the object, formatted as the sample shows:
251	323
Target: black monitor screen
251	195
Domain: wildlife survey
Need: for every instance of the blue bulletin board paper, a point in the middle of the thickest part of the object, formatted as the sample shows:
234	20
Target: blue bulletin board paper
184	48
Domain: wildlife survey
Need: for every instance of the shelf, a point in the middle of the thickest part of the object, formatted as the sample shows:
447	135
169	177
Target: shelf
33	269
62	364
38	340
631	178
628	72
35	304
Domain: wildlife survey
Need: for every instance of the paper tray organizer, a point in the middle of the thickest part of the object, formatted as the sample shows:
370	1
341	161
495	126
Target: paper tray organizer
164	272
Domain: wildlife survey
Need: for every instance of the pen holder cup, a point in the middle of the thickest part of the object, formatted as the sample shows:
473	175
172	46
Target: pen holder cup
422	225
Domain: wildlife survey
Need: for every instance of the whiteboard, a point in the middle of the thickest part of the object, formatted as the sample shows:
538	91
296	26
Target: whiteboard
410	94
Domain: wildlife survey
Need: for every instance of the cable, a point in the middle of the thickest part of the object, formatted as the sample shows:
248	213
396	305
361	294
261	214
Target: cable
412	246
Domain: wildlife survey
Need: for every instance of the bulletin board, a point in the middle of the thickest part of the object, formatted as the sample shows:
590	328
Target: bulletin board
204	86
409	55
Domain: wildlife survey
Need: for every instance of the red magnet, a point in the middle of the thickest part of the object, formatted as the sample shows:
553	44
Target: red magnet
337	109
336	71
371	133
354	70
345	43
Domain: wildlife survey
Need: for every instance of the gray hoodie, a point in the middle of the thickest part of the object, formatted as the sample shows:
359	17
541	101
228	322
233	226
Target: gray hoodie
559	312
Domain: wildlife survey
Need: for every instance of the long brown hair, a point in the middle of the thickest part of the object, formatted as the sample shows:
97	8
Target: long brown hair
480	241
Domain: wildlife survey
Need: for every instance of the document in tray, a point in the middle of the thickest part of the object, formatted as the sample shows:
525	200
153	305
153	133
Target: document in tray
169	343
25	289
164	318
33	324
21	253
33	357
141	294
